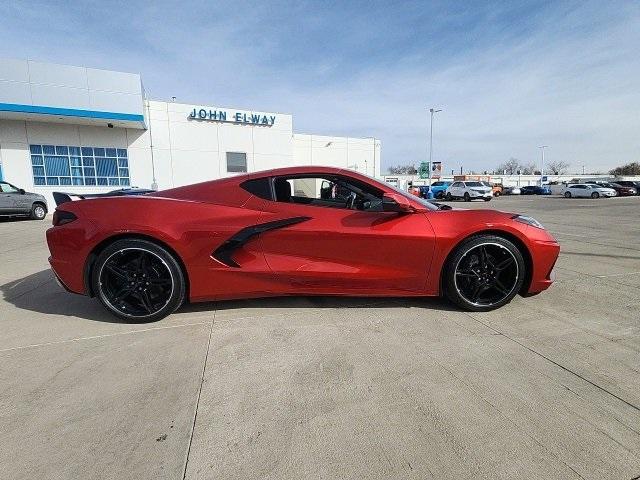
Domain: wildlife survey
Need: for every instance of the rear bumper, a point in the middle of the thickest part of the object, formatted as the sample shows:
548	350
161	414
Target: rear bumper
68	247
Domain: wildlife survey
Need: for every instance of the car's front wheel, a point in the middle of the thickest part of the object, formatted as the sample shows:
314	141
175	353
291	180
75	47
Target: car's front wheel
595	195
484	273
38	211
467	197
567	194
138	280
448	196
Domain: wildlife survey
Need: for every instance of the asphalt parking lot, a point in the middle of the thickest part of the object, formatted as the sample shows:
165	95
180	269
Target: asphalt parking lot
547	387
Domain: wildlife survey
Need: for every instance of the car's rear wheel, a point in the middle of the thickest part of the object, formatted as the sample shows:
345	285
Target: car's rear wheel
467	197
567	194
484	273
496	193
138	281
38	211
595	195
448	196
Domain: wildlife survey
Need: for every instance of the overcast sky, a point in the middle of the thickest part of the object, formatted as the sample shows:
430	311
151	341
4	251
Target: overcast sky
509	76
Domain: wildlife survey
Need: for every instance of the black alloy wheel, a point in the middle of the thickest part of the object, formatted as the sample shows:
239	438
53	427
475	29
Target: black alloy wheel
137	280
467	197
484	273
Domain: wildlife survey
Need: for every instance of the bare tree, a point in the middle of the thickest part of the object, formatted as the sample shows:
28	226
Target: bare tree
529	169
509	167
558	167
632	168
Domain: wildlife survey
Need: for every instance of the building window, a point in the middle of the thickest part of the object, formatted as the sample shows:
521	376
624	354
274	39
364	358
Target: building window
236	162
65	165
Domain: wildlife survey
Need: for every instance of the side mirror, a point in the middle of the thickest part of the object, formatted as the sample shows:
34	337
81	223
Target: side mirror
21	191
394	202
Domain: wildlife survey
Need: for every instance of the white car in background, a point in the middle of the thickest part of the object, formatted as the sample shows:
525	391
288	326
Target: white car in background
469	190
588	191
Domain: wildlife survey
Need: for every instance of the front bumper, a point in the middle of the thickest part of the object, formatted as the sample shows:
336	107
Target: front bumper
473	194
544	254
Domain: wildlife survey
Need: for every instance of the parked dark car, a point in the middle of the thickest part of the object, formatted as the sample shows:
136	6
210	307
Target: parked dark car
15	201
621	190
630	183
535	190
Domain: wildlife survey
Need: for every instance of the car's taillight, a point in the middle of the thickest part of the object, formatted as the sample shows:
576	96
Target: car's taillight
61	217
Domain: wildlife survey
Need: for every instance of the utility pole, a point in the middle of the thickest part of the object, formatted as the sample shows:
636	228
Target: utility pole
542	147
432	110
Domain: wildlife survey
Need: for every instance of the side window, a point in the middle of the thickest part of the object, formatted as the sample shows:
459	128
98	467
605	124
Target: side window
260	187
331	192
6	188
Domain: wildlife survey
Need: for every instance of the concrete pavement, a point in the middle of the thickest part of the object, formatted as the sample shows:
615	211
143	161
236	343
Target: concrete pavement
546	387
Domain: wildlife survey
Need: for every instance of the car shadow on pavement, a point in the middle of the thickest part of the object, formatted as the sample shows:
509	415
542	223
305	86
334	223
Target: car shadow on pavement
40	293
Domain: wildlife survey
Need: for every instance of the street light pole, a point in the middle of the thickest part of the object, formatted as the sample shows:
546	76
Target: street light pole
542	147
432	110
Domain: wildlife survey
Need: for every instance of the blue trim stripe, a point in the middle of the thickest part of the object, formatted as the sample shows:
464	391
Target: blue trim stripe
69	112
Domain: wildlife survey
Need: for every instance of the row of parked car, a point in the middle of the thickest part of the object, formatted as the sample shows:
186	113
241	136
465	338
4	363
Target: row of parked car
622	188
480	190
474	190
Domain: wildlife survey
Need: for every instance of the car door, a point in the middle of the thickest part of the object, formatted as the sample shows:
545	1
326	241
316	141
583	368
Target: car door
330	248
8	195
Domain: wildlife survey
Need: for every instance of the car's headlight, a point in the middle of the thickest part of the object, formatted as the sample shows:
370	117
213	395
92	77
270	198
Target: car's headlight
528	221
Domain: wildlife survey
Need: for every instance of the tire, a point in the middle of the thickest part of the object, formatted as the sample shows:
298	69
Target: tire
448	196
467	197
487	199
440	195
496	194
567	194
501	253
138	281
38	211
595	195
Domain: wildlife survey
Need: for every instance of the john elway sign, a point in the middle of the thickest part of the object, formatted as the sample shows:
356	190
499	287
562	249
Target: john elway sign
237	117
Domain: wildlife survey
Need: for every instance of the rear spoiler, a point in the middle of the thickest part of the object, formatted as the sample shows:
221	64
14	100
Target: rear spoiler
63	197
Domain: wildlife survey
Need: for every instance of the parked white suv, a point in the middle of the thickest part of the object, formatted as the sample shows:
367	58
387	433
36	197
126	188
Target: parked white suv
469	190
588	190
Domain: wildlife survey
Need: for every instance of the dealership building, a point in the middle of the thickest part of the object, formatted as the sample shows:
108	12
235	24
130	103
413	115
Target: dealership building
86	130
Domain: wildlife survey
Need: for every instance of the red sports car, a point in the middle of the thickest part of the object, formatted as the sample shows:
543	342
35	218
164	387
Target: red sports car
292	231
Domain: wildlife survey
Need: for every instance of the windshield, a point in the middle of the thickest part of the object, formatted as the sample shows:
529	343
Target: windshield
377	183
486	184
437	184
473	184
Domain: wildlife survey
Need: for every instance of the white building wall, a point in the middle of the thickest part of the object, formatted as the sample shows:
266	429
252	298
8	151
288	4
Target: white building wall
184	150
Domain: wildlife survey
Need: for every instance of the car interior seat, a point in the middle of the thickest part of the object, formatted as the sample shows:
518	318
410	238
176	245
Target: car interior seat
283	190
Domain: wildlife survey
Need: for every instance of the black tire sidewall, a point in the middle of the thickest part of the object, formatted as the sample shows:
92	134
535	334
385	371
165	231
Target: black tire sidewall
567	194
467	197
179	290
448	284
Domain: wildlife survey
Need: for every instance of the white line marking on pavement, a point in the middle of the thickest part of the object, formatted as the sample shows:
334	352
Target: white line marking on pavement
618	274
103	336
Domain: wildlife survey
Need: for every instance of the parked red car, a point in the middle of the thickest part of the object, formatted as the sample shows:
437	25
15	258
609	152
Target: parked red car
292	231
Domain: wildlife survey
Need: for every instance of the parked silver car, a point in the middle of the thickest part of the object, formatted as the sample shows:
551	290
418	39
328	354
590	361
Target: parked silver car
15	201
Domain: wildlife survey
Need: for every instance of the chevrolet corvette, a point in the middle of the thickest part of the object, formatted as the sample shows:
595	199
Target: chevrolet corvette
291	231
